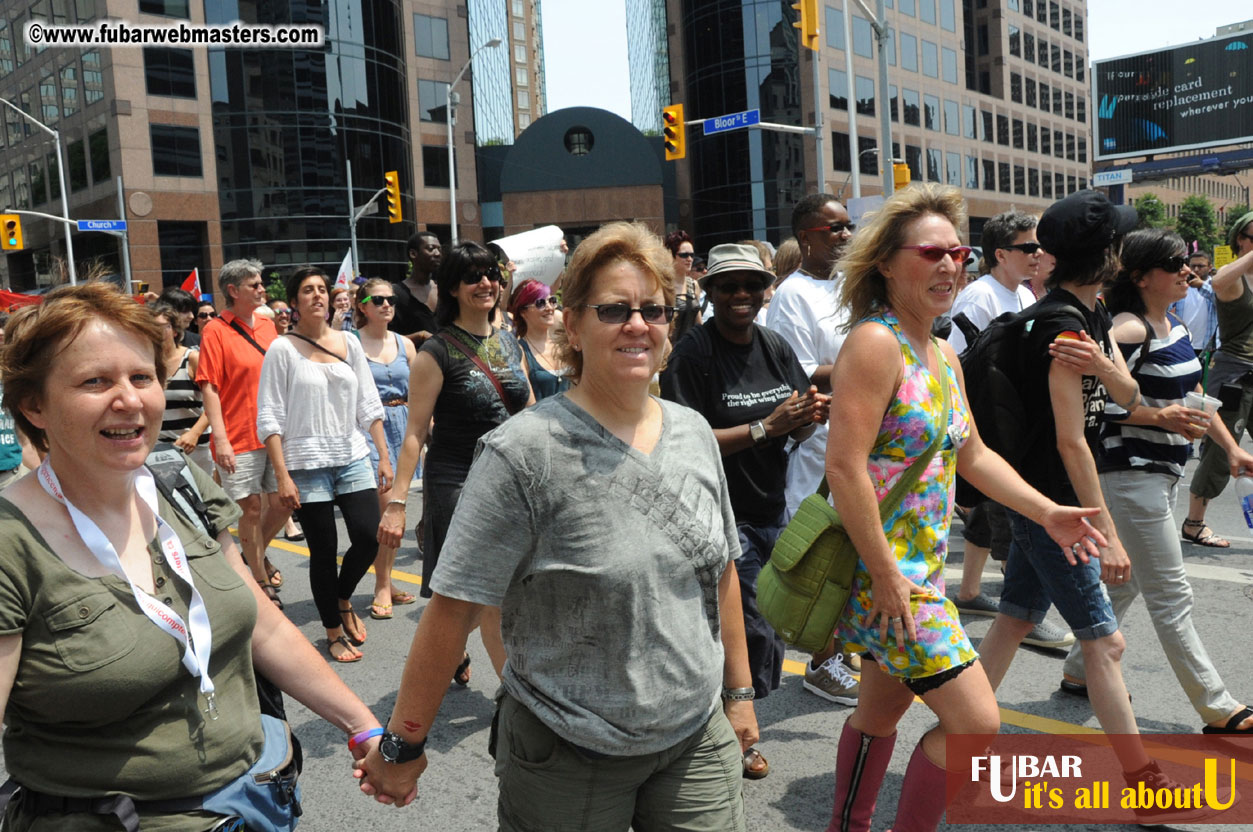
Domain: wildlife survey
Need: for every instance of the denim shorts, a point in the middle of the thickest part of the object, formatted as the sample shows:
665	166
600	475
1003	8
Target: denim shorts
322	485
1037	573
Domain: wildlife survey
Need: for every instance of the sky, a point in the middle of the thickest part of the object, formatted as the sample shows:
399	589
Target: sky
585	41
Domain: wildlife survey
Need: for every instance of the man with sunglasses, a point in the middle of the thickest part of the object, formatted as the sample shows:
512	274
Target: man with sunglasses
1196	310
416	294
806	311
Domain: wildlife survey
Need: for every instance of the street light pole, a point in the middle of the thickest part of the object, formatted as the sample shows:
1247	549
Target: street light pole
451	106
65	203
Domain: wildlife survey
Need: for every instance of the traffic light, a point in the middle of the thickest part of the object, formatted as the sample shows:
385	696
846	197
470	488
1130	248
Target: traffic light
807	22
392	183
674	131
12	227
900	175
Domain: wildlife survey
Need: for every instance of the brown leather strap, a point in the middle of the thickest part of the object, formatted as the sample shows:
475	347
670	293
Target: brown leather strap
471	352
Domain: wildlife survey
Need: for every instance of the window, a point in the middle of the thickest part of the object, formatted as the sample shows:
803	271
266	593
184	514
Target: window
1079	27
524	120
895	96
168	8
521	77
837	83
865	95
1046	185
987	126
930	59
519	8
891	41
926	11
1070	147
909	52
1066	22
1046	144
1018	130
54	179
840	159
1082	110
912	109
1028	47
1033	138
1079	72
430	36
867	162
1012	5
1002	130
1070	105
1042	53
949	64
1044	96
175	151
1015	87
435	166
1059	149
952	122
170	72
1015	41
1030	92
524	100
1042	12
1002	174
1033	182
1083	152
913	158
972	172
1020	180
934	174
579	141
1068	63
1072	184
863	37
1055	17
76	161
931	110
98	144
38	185
519	30
69	89
989	175
519	53
953	169
50	102
907	7
1055	58
970	127
835	28
948	16
433	101
1028	9
93	78
982	37
1057	101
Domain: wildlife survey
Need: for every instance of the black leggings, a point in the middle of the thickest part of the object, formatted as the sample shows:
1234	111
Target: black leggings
361	515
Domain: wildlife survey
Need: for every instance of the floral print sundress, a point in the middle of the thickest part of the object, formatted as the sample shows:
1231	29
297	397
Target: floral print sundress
918	530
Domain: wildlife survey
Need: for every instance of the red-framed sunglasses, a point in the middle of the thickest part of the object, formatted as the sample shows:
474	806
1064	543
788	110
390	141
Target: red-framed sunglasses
960	254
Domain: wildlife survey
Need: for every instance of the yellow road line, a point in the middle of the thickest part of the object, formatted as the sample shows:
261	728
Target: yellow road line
303	551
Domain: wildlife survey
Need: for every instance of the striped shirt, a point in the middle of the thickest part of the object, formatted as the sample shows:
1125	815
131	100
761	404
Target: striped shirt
183	405
1169	372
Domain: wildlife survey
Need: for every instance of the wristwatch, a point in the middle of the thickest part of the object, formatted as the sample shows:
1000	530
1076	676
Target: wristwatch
396	749
757	430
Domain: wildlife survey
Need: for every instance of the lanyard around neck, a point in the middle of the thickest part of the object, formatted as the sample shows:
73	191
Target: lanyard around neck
197	641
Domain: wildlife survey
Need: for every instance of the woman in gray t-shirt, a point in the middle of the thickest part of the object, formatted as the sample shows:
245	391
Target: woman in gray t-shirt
620	607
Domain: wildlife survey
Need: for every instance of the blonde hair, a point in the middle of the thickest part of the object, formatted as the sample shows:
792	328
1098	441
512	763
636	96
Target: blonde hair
364	291
864	290
617	242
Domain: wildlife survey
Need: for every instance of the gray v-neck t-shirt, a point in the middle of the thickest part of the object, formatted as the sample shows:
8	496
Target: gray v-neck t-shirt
605	562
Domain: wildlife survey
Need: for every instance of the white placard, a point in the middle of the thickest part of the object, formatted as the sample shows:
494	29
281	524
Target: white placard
536	253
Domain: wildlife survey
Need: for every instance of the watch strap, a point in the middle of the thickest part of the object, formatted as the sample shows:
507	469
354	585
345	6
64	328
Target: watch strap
405	751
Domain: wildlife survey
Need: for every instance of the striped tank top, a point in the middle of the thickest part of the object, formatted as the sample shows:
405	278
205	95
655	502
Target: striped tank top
1168	373
183	404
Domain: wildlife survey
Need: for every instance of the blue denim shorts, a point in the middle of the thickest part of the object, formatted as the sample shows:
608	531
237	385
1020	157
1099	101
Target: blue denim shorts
322	485
1037	573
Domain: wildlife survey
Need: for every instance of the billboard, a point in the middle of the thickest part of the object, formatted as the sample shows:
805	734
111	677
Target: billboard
1185	97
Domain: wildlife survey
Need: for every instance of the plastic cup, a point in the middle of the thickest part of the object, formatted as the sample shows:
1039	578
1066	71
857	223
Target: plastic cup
1198	401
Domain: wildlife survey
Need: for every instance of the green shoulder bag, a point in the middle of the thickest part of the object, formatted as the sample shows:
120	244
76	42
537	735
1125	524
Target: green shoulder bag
804	587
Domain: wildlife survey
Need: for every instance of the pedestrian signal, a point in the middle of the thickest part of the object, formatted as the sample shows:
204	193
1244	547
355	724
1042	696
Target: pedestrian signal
674	131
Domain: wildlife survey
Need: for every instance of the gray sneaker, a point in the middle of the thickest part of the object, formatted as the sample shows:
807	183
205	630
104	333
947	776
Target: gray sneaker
978	605
1045	634
832	681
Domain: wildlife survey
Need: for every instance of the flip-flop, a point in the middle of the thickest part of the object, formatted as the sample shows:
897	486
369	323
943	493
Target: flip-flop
401	598
461	675
272	572
354	639
381	611
350	657
1231	726
751	756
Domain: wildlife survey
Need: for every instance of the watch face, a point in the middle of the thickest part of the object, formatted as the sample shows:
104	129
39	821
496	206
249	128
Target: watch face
390	749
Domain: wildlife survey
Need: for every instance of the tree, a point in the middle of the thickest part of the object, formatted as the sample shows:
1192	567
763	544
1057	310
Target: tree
1197	223
1152	212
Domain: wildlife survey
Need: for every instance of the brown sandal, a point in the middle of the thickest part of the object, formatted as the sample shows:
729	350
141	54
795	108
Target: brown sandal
271	592
351	623
353	654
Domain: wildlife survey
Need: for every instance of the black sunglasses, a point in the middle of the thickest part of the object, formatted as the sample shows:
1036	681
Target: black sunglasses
620	313
206	315
493	274
686	255
1025	248
727	287
379	300
835	227
1174	264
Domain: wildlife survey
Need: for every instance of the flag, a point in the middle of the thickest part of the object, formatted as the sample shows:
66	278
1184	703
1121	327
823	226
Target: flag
192	283
343	280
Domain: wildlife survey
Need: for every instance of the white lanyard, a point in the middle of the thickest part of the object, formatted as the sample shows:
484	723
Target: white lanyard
196	649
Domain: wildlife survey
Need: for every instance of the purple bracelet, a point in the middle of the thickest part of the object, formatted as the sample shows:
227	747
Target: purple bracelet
369	734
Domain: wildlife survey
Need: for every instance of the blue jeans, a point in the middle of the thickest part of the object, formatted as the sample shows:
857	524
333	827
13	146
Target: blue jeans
1037	573
765	648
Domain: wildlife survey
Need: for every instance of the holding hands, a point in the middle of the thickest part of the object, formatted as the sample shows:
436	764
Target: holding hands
394	784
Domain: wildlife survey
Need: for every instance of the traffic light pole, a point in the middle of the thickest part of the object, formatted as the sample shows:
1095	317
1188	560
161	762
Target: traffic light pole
354	215
65	203
878	22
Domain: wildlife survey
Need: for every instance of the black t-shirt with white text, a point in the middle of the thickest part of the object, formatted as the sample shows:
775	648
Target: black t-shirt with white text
736	384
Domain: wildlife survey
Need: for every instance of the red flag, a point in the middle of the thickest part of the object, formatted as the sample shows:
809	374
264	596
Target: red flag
192	283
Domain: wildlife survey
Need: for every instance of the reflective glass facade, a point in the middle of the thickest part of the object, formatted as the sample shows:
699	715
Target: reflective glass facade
741	55
493	89
286	121
648	59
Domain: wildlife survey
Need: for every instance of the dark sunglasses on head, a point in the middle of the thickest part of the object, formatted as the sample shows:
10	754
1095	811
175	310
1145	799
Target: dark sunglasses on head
379	300
204	316
686	255
492	274
935	254
835	227
728	287
1174	264
1025	248
620	313
550	301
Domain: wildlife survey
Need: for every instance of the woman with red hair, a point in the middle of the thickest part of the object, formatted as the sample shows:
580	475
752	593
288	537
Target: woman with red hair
534	312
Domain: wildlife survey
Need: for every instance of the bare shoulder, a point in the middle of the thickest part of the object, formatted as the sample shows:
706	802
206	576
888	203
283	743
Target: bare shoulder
1128	328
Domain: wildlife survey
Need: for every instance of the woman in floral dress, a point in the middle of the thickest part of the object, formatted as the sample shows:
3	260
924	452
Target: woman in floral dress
900	273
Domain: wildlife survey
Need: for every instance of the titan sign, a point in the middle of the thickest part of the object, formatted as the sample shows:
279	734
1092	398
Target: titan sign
1186	97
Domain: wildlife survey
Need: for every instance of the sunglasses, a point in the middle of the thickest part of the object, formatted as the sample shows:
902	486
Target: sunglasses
1025	248
686	255
726	287
379	300
620	313
204	316
1174	264
835	227
550	301
492	274
282	311
934	254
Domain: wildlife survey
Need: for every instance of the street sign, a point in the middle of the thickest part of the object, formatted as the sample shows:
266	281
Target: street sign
102	225
1105	178
732	121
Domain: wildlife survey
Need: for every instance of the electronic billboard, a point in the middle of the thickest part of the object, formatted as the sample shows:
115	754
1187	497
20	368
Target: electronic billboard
1185	97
